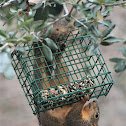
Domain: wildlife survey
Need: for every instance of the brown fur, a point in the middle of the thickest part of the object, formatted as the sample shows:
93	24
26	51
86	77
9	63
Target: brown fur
81	115
45	66
75	115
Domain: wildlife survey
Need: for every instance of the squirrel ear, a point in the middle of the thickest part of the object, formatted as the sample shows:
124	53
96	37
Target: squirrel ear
85	113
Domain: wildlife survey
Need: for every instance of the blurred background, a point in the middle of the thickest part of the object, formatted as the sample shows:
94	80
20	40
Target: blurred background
14	108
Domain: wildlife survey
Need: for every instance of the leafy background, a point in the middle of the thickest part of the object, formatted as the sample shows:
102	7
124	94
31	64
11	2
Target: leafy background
14	108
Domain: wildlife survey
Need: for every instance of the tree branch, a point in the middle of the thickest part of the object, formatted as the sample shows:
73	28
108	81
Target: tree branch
109	5
5	45
32	33
114	4
6	3
73	8
79	22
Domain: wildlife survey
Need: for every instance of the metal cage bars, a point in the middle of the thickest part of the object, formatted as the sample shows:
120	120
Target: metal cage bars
34	73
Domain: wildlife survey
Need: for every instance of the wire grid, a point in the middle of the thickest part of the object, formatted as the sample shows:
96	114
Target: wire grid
36	74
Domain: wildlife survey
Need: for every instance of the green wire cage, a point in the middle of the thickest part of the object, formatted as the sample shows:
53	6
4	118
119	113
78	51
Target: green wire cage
48	85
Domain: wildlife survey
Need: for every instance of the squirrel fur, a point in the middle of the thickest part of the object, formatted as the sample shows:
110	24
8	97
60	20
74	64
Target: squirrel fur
77	115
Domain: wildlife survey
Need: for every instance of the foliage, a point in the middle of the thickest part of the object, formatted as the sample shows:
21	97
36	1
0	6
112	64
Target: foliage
120	65
32	16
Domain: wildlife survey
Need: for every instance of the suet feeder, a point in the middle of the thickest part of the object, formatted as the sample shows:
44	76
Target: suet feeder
39	77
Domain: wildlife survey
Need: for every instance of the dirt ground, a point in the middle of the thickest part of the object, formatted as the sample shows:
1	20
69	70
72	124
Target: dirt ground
14	108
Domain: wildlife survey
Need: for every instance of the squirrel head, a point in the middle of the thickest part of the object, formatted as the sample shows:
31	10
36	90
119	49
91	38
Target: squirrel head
82	115
90	113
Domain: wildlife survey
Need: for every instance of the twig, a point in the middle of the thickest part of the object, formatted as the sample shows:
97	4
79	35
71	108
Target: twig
5	45
32	33
108	5
67	13
72	8
115	4
79	22
7	3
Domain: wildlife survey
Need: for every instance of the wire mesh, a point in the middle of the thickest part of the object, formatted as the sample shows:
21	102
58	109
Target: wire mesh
47	84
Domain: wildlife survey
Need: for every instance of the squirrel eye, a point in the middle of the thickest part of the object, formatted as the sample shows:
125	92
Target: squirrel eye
96	115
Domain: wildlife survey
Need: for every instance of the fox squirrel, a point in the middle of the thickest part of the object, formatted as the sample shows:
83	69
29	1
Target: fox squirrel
58	34
76	115
70	115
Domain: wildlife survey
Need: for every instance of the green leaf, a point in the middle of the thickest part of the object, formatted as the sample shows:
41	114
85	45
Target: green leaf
23	5
11	34
93	49
116	60
78	24
3	33
68	19
95	10
39	27
39	34
108	30
33	13
101	1
12	11
12	40
37	6
19	1
25	23
51	43
124	42
28	37
52	16
49	30
87	5
9	72
123	50
4	18
105	13
30	13
93	1
110	40
21	40
5	61
27	28
105	23
105	43
82	30
24	16
47	52
95	31
120	66
21	50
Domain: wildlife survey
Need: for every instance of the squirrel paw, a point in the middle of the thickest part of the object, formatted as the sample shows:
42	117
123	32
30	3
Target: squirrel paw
62	46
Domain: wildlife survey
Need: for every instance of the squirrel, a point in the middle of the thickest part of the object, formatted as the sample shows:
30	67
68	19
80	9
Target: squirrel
58	34
81	115
76	114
